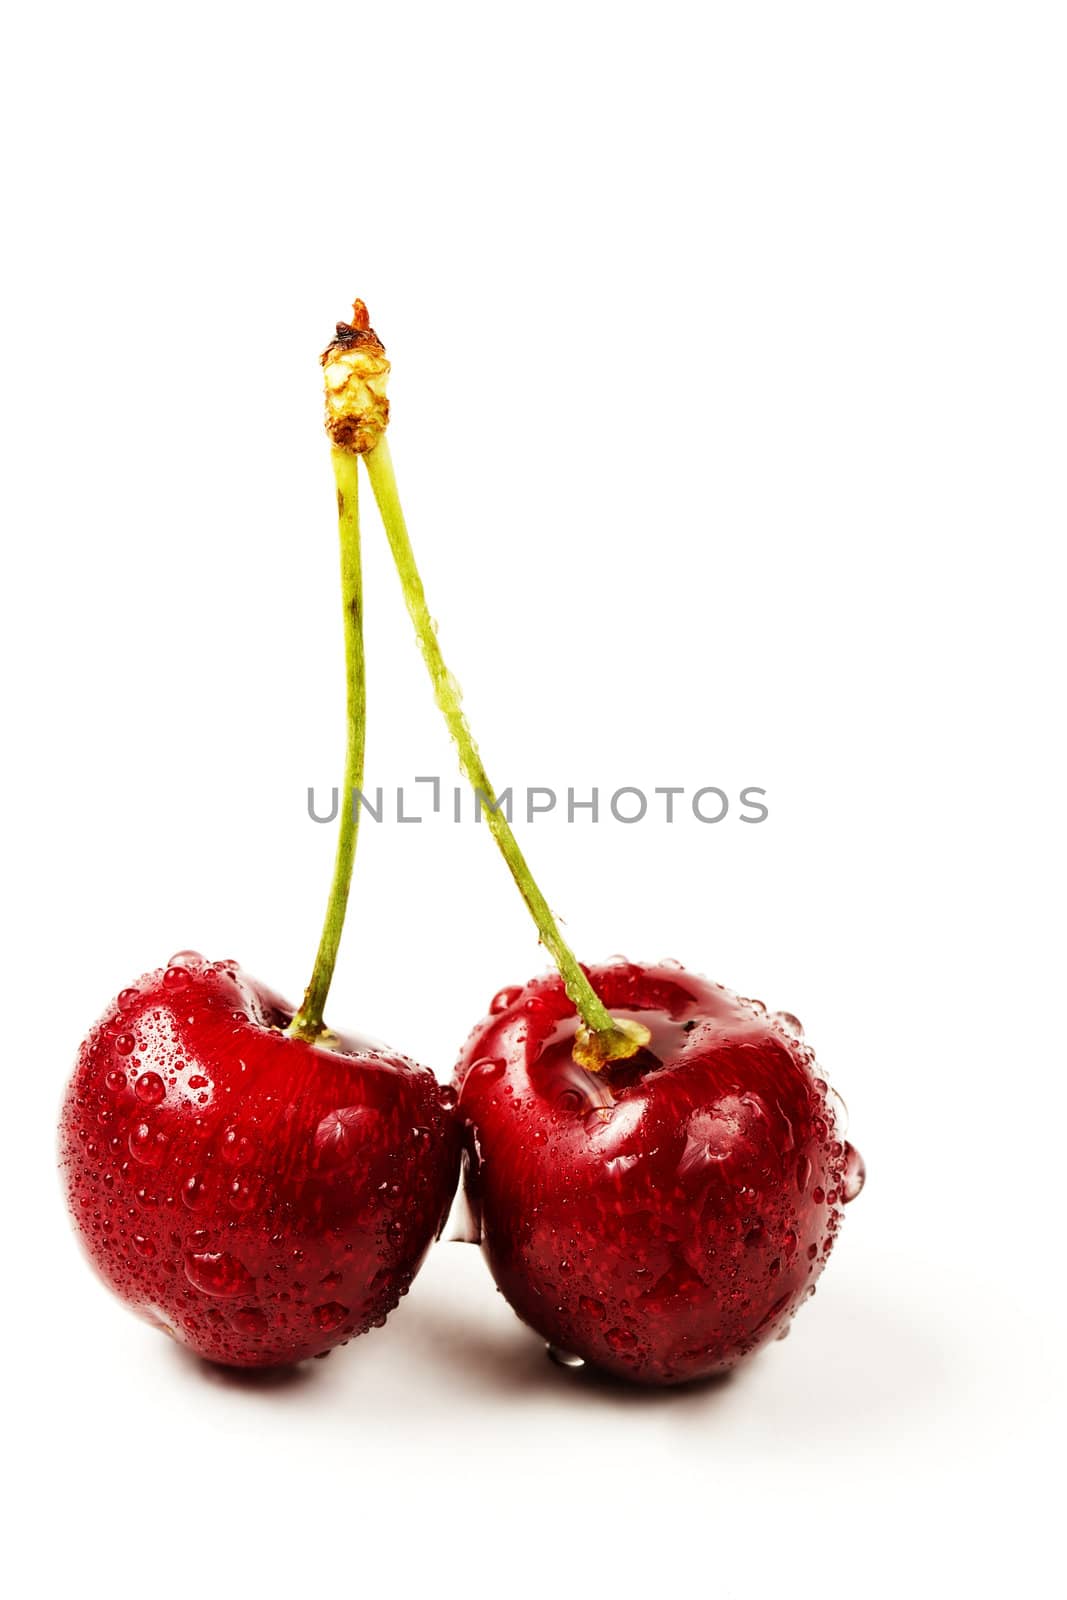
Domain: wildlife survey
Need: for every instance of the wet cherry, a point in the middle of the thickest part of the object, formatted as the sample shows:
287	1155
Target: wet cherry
658	1166
240	1175
235	1185
666	1215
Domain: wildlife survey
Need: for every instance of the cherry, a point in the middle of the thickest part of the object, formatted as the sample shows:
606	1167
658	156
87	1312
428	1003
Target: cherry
255	1184
260	1197
666	1215
658	1168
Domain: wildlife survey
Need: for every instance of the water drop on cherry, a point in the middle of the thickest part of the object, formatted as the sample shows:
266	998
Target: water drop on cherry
855	1174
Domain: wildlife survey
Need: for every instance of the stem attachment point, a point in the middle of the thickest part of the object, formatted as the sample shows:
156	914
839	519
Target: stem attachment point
593	1049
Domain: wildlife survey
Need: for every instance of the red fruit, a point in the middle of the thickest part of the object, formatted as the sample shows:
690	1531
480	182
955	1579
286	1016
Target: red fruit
665	1216
260	1198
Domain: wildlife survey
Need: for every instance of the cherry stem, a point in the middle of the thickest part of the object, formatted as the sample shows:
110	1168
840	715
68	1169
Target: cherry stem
602	1038
308	1023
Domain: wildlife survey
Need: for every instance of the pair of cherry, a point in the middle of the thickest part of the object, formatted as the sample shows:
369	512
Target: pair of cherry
656	1169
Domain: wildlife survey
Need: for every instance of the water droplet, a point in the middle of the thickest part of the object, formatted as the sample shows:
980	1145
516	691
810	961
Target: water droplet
217	1272
175	978
243	1193
251	1321
840	1111
486	1069
147	1145
813	1251
330	1316
186	958
124	1044
150	1088
383	1282
128	998
235	1147
592	1308
341	1135
143	1246
714	1135
198	1081
818	1194
502	1000
789	1024
564	1358
620	1339
447	1096
115	1081
193	1191
855	1175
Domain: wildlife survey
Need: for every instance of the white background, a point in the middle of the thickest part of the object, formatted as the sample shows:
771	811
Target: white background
729	352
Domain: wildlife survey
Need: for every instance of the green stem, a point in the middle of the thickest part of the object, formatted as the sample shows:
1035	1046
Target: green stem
308	1023
604	1038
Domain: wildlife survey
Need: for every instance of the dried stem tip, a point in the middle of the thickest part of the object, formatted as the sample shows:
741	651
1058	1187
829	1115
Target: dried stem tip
356	370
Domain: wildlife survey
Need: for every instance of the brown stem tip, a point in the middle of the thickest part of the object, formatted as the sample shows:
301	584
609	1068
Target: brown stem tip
355	369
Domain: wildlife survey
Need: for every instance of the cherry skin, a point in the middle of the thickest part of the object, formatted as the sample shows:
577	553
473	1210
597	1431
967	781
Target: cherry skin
666	1216
260	1198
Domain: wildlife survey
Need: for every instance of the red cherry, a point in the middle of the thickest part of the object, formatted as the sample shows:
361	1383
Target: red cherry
667	1215
235	1185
